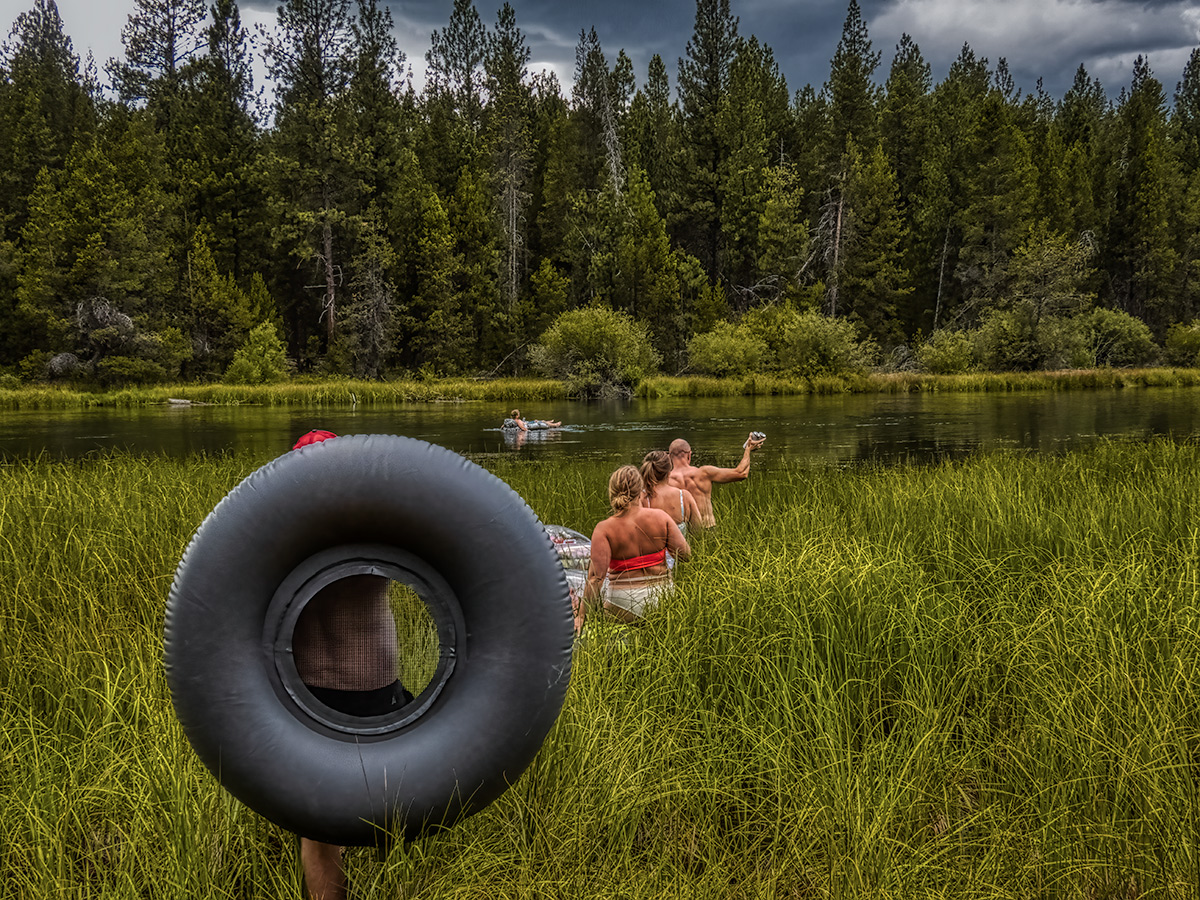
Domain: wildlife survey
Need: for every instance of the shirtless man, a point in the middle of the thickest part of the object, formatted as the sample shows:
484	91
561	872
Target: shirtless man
699	480
345	650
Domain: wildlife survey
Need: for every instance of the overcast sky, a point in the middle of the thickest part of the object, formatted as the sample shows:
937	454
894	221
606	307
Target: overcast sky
1045	39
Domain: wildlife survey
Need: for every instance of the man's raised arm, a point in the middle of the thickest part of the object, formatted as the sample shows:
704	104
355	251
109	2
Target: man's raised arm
740	472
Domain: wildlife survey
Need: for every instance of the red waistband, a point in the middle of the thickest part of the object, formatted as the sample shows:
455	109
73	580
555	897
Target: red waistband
638	562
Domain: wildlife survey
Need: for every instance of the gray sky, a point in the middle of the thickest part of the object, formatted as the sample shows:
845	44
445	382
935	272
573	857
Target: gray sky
1040	38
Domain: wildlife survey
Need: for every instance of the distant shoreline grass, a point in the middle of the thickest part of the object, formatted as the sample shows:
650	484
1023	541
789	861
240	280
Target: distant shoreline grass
346	392
971	679
917	383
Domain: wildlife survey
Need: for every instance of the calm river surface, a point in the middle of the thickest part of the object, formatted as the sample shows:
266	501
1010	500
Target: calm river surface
831	430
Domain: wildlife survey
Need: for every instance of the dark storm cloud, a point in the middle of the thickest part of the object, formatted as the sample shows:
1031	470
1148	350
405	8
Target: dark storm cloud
803	35
1045	39
1050	39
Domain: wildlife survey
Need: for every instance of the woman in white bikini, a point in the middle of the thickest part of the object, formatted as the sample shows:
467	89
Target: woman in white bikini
630	549
679	504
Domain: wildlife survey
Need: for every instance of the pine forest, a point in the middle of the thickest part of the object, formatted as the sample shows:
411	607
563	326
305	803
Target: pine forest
163	218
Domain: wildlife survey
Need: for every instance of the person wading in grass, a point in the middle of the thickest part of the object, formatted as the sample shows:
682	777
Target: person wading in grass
674	501
345	651
630	549
699	480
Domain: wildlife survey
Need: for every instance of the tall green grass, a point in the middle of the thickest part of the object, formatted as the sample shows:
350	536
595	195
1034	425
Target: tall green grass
329	392
916	383
309	392
975	679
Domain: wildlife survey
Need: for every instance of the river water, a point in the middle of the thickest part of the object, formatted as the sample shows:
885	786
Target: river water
840	430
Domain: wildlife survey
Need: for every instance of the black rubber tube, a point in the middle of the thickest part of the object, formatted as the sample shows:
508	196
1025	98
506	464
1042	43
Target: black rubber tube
418	513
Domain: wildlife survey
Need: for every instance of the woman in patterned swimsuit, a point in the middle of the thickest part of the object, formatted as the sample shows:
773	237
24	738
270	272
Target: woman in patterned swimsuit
630	549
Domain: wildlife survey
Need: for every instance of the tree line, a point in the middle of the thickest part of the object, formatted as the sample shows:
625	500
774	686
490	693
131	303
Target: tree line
161	218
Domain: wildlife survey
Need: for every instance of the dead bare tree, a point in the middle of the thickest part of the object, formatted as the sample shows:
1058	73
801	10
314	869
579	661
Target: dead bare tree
833	241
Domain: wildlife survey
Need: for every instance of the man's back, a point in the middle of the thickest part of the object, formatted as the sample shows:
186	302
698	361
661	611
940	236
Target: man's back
698	483
699	480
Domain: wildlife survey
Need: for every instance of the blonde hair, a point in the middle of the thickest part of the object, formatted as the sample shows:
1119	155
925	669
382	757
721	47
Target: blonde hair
515	414
625	486
656	466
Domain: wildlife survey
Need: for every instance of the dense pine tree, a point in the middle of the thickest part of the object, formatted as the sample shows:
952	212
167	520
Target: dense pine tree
509	126
160	37
313	157
45	106
704	74
654	138
1140	254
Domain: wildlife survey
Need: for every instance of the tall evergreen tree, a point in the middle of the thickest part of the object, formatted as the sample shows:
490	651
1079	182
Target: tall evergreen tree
45	106
455	62
377	75
509	125
1141	256
370	318
703	82
159	38
434	326
475	323
947	183
1081	110
906	120
221	313
622	84
314	156
94	231
743	130
783	235
654	138
852	123
1001	191
853	96
874	277
219	172
554	179
907	130
810	115
1185	117
596	117
1185	139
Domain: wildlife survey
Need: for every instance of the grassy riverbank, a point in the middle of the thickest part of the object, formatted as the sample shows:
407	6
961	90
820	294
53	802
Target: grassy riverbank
345	392
917	383
310	393
976	679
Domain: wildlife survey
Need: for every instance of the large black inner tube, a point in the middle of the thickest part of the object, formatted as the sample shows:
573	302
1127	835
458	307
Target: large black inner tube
428	520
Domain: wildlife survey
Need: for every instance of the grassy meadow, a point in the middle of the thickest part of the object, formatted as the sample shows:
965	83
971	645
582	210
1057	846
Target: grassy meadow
971	679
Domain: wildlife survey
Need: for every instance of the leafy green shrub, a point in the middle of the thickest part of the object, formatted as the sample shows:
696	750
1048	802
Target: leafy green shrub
261	360
1117	339
809	344
1182	346
9	382
113	371
35	366
946	353
597	351
1020	340
726	350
